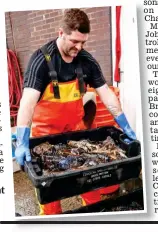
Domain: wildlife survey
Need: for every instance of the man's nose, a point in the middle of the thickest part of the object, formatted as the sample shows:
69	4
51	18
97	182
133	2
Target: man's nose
79	46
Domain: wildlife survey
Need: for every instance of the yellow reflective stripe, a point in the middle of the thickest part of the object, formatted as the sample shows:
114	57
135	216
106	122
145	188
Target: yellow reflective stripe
68	93
47	57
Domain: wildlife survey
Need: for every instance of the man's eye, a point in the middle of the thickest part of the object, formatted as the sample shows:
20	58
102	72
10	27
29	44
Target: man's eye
76	42
73	41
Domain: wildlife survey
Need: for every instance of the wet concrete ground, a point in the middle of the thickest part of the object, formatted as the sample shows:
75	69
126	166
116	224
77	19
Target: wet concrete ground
26	203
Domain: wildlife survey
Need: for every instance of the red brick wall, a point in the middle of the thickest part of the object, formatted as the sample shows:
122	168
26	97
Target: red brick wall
28	30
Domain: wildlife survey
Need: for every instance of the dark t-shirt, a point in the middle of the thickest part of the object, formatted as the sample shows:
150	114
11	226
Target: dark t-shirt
36	75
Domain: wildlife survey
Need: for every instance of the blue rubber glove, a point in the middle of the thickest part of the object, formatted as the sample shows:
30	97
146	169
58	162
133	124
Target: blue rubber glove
123	123
22	151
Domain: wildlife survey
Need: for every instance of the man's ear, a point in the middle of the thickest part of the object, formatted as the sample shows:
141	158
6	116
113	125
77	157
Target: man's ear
61	32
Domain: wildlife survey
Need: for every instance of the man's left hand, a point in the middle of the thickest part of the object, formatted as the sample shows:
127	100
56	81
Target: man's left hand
123	123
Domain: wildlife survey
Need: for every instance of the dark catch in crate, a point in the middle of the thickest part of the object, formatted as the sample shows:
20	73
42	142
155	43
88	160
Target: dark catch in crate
76	154
65	184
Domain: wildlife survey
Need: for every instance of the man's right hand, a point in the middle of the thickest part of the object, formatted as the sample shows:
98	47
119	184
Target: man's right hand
22	151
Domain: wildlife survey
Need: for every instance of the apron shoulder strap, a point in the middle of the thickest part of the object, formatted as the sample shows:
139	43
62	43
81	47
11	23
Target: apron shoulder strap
80	77
52	73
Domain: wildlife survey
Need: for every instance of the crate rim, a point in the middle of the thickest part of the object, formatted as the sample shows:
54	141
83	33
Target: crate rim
52	176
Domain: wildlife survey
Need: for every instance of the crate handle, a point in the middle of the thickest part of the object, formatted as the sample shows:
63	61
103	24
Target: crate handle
131	147
124	138
28	165
46	182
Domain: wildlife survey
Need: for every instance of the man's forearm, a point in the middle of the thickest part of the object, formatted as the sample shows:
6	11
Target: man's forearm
110	100
27	106
25	115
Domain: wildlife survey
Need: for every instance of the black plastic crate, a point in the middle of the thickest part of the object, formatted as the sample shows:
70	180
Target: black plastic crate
134	200
69	183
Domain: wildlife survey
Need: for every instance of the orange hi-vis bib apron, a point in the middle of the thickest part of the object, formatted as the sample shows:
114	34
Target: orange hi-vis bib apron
53	116
57	115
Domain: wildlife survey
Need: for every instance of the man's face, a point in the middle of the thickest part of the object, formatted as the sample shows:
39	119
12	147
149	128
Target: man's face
73	43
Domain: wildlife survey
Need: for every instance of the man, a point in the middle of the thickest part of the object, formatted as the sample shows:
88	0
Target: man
54	85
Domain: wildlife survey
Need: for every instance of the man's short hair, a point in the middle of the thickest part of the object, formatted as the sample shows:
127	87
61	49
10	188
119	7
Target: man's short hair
75	19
